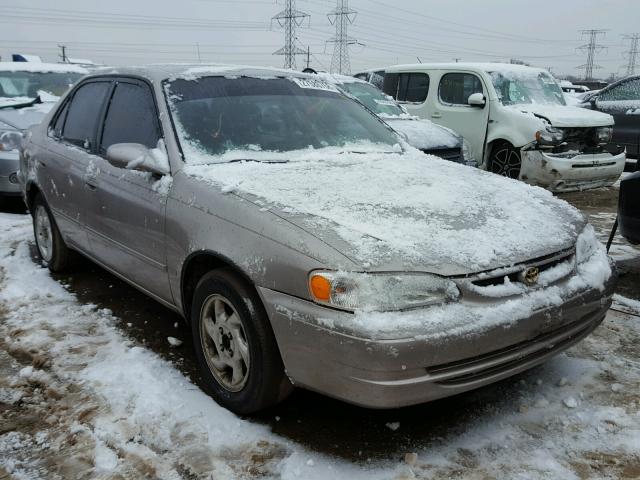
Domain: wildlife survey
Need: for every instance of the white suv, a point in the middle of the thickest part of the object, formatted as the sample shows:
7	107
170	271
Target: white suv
516	121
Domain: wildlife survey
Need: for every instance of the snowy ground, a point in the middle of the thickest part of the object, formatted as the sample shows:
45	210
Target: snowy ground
90	392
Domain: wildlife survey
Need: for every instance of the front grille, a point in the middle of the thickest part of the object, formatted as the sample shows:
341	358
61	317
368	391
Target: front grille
452	154
513	274
578	140
492	363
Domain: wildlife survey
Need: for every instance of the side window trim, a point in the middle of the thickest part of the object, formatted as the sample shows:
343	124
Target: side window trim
464	105
103	117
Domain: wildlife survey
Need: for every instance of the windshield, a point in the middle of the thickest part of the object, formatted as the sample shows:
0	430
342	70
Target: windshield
373	99
518	88
28	84
217	115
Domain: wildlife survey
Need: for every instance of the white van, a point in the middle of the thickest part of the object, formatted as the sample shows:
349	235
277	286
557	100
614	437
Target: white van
515	119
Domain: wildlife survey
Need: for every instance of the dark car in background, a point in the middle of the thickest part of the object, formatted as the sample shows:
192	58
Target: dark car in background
622	100
629	208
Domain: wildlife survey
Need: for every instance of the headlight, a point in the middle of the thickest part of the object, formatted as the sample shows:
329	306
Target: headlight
603	135
10	139
380	291
550	136
466	151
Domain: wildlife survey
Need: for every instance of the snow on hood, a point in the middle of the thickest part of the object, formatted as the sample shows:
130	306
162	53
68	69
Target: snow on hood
23	118
424	134
404	210
566	116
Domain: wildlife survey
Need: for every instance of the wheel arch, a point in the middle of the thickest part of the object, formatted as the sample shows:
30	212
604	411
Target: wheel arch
196	265
32	190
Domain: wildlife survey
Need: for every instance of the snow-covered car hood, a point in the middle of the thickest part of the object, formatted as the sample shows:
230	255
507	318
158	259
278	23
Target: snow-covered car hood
391	212
424	134
561	116
23	118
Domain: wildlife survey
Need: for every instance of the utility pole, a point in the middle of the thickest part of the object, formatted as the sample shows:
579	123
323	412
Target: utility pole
308	55
63	53
289	19
198	51
342	16
632	53
591	49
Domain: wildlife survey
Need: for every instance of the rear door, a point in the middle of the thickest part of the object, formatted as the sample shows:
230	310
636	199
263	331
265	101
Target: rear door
623	102
127	207
67	163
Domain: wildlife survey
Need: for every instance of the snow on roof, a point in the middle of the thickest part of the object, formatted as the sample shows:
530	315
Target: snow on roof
479	66
41	67
81	61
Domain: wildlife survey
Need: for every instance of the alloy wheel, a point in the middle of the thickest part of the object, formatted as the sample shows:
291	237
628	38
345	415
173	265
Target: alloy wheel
224	343
506	161
44	233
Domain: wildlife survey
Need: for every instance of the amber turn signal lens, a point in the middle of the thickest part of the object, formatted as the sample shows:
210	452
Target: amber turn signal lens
320	288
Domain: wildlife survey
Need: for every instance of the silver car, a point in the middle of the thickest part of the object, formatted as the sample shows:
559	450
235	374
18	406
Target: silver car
27	92
304	241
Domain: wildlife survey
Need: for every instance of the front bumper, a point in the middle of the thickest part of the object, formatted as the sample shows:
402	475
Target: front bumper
396	372
9	166
560	173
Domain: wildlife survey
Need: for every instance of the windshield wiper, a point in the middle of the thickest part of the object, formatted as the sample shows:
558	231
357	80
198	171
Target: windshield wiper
256	160
16	106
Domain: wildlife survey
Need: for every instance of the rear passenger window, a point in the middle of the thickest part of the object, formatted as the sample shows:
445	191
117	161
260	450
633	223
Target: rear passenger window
413	87
455	88
131	117
83	114
59	123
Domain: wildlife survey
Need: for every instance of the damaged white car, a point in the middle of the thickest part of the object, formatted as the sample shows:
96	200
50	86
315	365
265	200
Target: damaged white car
516	120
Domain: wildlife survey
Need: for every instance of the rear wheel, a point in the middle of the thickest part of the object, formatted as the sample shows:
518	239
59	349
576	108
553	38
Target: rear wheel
51	247
505	160
235	345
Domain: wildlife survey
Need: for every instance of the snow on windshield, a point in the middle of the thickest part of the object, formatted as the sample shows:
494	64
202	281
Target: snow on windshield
220	119
412	206
526	87
373	99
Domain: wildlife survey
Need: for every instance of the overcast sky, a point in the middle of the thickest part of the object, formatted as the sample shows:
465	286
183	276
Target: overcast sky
544	33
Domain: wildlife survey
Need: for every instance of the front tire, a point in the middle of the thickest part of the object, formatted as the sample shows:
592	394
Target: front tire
234	344
505	160
50	245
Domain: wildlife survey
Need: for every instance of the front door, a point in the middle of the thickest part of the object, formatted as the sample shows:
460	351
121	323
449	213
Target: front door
450	108
127	207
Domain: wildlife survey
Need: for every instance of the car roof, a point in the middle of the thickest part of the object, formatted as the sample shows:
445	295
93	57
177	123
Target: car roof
172	71
39	67
477	66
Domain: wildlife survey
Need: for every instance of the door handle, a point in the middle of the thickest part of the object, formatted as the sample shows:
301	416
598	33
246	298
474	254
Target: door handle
436	115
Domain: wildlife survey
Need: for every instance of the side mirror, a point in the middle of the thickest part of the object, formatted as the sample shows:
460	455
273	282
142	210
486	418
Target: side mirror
594	101
135	156
477	100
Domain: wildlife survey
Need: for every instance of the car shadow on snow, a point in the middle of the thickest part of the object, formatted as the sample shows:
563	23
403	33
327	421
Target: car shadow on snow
12	204
319	423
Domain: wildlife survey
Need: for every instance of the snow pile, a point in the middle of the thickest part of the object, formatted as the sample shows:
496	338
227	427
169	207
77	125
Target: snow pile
424	134
421	211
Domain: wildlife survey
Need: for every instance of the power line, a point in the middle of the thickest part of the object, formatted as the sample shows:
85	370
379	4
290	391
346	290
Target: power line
591	49
632	53
341	17
289	19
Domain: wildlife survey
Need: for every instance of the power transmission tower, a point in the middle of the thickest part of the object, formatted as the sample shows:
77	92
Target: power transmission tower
591	49
289	19
342	16
63	53
632	53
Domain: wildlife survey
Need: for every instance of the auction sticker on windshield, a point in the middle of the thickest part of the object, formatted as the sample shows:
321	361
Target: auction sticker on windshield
315	84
